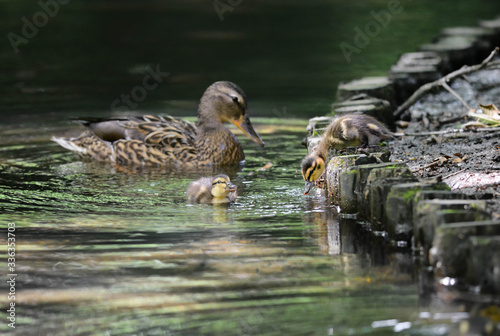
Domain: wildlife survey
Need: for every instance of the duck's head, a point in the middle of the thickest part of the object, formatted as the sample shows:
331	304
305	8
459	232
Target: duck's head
226	102
313	166
222	186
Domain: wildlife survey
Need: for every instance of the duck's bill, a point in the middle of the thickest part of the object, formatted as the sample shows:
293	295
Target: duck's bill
245	125
230	187
308	186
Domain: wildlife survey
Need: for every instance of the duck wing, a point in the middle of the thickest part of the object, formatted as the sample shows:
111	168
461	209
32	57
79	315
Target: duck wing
173	136
143	139
137	127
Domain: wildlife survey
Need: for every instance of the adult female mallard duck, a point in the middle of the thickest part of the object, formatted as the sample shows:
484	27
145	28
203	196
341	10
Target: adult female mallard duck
215	190
152	140
350	130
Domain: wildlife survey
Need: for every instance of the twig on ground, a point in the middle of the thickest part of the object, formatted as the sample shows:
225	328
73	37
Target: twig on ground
448	131
450	90
443	82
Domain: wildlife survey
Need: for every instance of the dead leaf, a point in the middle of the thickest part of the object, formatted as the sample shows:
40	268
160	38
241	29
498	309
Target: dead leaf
490	115
265	167
441	159
490	110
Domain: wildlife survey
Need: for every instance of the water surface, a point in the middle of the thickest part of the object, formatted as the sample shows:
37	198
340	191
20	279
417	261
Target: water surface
284	54
103	250
106	250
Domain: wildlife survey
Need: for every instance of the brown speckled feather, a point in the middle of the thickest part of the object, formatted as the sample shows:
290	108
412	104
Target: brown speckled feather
221	146
155	140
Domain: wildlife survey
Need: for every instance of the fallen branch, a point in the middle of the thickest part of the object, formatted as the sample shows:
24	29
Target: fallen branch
448	131
450	90
443	82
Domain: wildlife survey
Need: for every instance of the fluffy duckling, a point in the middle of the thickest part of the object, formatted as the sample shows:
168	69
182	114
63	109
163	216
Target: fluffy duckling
169	141
214	190
350	130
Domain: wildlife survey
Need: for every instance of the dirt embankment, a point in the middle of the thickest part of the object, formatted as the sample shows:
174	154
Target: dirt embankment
444	142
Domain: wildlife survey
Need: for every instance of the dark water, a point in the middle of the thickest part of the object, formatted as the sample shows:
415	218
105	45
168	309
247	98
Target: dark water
104	250
107	251
284	54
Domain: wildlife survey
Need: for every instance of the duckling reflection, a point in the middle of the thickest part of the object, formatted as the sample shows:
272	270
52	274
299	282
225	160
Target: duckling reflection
212	190
350	130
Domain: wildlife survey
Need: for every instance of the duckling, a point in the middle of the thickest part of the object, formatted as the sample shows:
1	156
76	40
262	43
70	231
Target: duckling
350	130
215	190
169	141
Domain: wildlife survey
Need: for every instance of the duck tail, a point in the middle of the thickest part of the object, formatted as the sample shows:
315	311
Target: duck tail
70	145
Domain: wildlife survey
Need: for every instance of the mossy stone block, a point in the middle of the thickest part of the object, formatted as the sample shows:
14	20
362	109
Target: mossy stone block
335	167
379	109
430	214
399	207
378	87
452	247
352	184
414	70
455	51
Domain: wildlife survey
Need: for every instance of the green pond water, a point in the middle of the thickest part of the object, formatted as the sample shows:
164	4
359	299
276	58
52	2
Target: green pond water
102	250
106	250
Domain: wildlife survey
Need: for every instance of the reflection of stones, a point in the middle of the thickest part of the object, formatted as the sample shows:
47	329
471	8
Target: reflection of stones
468	251
342	234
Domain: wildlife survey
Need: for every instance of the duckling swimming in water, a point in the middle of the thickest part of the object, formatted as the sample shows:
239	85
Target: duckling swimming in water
350	130
214	190
169	141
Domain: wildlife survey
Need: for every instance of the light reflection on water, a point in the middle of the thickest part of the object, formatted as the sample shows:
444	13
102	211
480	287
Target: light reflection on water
108	250
118	250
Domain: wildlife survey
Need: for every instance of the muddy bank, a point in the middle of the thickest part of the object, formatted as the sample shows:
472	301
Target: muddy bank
443	142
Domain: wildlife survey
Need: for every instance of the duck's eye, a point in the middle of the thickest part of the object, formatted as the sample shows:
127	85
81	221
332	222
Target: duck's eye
235	99
218	182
